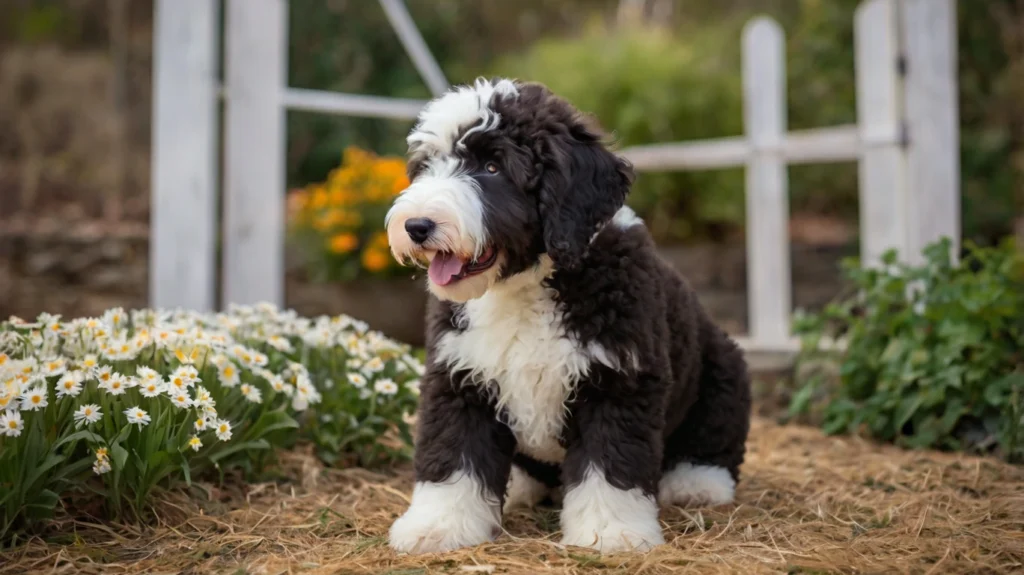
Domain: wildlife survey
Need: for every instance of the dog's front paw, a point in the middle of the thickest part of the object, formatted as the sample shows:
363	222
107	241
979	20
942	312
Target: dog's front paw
615	537
445	517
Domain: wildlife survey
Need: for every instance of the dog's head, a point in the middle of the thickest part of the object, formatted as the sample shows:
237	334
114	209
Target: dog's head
501	173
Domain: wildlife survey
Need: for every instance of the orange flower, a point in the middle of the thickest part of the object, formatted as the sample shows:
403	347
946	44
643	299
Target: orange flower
375	260
343	243
380	240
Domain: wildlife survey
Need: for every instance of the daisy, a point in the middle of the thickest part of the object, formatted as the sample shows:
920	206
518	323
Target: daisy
4	359
357	380
251	393
101	466
203	398
219	360
385	387
228	374
70	385
115	317
33	399
187	356
89	362
201	423
164	338
279	343
353	364
195	443
147	374
87	414
103	375
11	424
413	386
278	385
151	388
181	400
54	367
375	365
223	430
116	385
137	416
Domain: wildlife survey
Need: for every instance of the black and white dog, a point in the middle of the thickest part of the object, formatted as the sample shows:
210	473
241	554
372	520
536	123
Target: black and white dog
562	353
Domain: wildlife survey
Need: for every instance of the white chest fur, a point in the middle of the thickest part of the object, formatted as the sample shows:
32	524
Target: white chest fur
514	344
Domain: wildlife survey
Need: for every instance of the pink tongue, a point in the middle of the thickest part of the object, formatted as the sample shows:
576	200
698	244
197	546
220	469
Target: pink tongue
444	267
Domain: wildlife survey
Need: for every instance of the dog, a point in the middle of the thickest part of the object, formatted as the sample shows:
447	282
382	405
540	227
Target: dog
565	359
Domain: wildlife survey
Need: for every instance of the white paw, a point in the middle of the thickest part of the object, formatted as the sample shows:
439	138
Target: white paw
523	490
616	537
696	485
597	515
446	516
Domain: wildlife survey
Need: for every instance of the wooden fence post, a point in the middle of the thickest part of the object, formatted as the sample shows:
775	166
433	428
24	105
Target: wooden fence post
933	123
769	278
254	156
882	167
182	261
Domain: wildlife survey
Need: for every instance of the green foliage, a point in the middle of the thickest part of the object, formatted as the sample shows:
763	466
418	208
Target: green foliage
648	85
934	353
131	403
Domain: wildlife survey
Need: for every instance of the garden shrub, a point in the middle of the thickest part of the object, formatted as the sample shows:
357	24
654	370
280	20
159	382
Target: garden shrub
934	353
339	224
125	404
647	86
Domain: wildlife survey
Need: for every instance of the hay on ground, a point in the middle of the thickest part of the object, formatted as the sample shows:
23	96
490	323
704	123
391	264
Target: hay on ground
806	504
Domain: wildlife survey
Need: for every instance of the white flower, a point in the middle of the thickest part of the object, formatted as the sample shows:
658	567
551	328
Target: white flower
413	386
152	388
89	363
375	365
386	387
203	398
147	374
228	374
103	375
182	378
54	367
164	338
33	399
280	343
251	393
101	466
195	443
300	402
365	393
11	424
357	380
223	430
353	364
181	400
219	360
70	385
87	414
115	318
117	384
187	355
201	423
137	416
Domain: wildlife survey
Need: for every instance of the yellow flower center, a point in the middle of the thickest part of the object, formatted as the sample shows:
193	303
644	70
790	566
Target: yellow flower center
87	412
229	372
37	399
69	384
105	376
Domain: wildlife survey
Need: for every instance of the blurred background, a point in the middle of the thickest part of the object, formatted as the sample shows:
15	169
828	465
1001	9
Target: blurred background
75	118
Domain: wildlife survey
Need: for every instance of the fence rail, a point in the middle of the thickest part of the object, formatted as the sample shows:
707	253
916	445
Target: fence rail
905	141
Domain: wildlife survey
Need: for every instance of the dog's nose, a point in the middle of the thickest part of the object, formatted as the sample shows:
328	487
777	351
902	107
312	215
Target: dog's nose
419	229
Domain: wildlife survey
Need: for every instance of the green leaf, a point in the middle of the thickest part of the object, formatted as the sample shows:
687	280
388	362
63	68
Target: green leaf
79	435
119	455
50	462
259	444
908	407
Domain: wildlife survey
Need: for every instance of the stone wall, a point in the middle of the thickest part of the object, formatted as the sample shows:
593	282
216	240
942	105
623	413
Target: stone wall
85	269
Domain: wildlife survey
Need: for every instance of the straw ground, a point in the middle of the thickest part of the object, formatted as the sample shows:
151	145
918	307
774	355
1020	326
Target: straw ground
807	504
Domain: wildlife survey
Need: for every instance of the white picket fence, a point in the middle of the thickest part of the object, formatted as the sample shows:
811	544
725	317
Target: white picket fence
906	141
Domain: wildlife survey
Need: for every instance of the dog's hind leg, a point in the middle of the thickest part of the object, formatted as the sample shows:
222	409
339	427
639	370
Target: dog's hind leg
703	455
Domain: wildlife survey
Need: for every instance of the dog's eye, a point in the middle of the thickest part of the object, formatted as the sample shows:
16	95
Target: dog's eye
491	167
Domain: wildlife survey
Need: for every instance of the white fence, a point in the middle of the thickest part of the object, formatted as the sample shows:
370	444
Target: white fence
905	140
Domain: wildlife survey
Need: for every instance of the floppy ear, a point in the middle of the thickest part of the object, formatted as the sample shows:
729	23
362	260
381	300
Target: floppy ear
580	191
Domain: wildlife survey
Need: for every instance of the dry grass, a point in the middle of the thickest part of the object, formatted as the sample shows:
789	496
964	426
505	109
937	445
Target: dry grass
806	504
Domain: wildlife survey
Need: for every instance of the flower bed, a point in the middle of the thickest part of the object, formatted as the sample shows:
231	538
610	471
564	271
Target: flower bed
123	404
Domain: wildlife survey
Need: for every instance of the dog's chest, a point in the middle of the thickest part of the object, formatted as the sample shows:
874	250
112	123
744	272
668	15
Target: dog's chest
515	346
